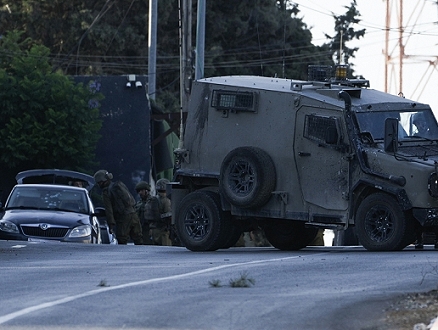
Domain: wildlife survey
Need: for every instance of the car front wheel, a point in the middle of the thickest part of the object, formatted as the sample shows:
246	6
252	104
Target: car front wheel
381	225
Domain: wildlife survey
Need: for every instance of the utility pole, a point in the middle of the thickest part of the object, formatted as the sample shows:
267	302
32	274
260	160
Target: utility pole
152	44
185	37
389	59
395	46
397	5
185	29
386	51
200	40
401	48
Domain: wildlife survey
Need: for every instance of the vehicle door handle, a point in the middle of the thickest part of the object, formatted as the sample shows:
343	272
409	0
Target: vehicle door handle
303	154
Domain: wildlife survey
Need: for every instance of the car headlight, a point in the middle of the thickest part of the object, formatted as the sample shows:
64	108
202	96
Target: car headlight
81	231
432	185
8	226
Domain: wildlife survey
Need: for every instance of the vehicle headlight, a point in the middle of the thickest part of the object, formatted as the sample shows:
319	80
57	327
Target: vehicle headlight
8	226
81	231
432	185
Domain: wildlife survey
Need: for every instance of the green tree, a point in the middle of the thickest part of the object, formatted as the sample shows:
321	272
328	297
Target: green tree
261	37
47	121
345	31
84	37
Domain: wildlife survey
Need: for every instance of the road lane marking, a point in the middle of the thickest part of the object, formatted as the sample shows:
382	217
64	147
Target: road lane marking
22	312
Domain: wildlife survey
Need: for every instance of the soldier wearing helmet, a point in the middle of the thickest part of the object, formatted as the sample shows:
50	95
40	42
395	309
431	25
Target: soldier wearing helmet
160	230
147	209
119	207
165	206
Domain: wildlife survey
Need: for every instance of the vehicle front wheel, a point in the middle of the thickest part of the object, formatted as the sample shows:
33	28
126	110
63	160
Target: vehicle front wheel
200	223
290	236
381	225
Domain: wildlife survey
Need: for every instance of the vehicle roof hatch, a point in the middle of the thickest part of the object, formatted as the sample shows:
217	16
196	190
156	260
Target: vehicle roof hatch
333	92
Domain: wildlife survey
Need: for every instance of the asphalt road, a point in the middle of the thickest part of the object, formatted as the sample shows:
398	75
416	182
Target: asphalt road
75	286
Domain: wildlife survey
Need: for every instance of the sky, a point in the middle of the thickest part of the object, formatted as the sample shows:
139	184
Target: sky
420	37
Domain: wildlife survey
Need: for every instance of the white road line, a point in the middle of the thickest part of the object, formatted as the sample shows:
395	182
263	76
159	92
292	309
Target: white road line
11	316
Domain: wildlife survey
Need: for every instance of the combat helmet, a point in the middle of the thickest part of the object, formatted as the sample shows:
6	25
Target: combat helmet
142	185
102	175
161	184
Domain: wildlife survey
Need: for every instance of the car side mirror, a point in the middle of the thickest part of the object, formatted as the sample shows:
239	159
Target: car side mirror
99	212
391	134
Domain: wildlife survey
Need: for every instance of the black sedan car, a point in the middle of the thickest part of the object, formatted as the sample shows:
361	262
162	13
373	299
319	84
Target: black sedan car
50	212
72	178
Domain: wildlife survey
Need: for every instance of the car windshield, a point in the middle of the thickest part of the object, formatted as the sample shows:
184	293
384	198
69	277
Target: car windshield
53	198
413	125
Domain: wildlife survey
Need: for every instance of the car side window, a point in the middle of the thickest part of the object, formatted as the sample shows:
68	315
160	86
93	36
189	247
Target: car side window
323	130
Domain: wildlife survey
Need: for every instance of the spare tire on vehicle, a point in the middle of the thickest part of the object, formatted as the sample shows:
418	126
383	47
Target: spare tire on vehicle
247	177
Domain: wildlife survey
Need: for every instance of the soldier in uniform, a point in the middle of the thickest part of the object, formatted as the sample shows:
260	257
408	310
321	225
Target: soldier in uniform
119	207
420	123
147	209
160	232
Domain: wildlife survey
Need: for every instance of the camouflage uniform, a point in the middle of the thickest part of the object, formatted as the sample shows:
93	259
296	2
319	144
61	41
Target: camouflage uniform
148	212
160	229
120	213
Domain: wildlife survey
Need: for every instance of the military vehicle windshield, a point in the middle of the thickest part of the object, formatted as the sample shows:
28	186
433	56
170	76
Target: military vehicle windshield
413	125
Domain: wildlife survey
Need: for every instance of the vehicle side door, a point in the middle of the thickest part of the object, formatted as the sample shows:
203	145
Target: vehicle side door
322	158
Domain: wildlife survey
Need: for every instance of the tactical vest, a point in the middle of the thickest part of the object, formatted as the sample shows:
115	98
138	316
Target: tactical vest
148	210
121	199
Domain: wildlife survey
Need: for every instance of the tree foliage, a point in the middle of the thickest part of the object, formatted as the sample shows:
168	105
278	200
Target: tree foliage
262	37
46	119
345	32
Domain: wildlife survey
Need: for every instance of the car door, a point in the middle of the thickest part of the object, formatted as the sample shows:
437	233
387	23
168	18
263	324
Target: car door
322	158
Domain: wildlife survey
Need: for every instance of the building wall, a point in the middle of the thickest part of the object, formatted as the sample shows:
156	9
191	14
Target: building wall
124	148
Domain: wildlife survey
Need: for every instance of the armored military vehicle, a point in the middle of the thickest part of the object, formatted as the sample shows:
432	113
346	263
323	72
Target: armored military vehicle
292	157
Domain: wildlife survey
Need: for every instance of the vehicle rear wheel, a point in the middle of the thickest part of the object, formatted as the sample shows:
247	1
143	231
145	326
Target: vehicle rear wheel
247	177
290	236
201	225
381	225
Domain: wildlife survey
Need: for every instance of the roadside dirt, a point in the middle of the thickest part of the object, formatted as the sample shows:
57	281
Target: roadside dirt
410	310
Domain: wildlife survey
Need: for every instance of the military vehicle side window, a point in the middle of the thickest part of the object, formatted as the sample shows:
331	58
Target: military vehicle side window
323	130
234	101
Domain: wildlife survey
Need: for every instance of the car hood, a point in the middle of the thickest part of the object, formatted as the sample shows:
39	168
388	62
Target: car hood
60	218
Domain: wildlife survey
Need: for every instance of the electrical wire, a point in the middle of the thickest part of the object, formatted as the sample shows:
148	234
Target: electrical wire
117	31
